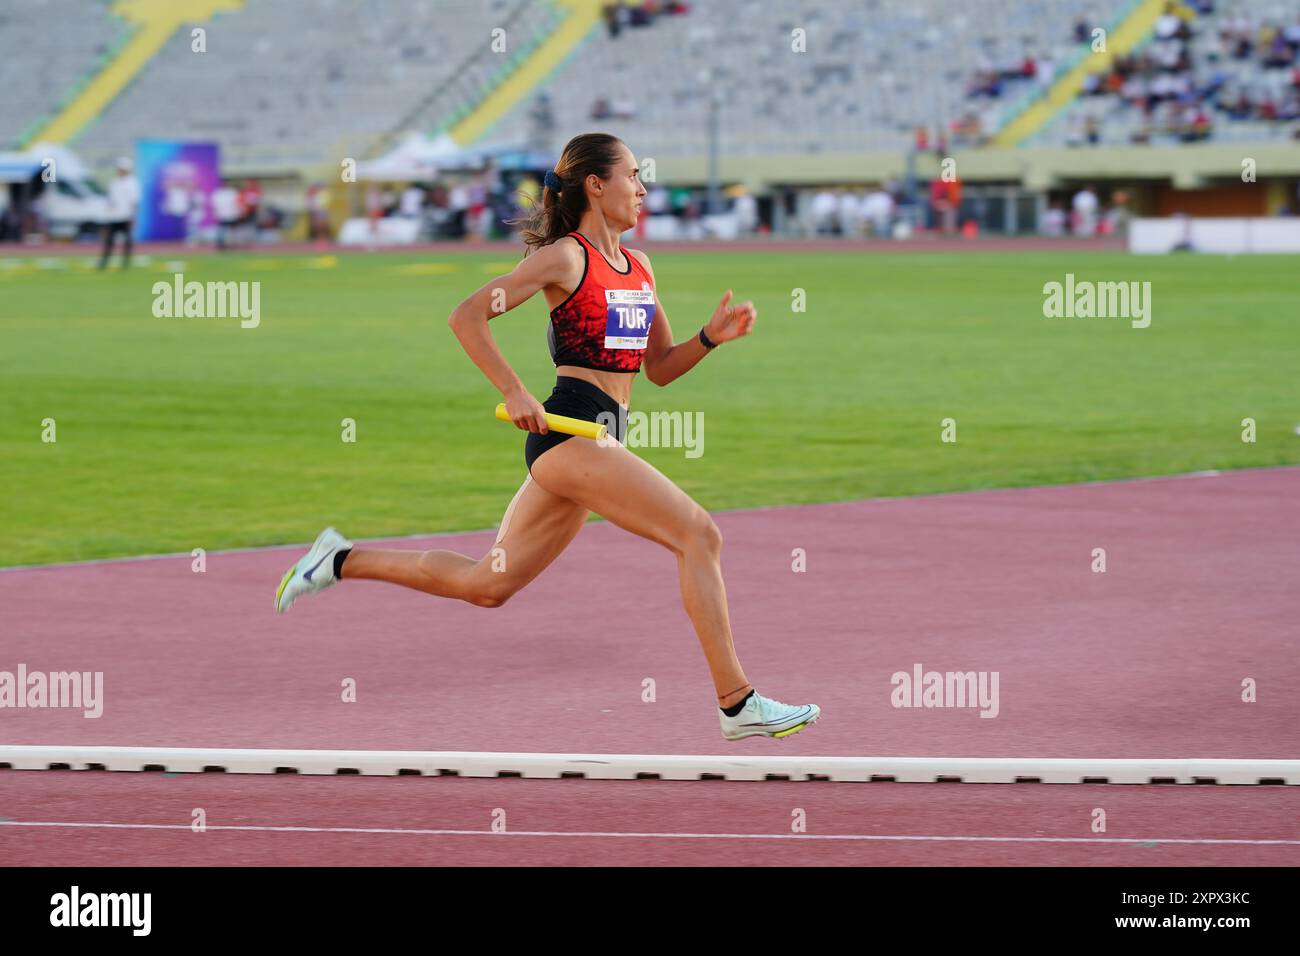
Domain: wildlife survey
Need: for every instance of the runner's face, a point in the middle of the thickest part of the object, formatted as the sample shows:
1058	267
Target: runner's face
623	192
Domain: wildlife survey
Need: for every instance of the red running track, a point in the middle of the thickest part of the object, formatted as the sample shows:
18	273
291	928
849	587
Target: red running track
1144	660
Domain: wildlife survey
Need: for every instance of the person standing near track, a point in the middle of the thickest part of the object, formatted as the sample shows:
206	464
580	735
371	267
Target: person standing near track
123	201
593	285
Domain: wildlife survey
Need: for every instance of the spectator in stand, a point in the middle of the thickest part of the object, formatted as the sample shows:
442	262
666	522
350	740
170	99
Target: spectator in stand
941	145
1044	73
642	15
1173	23
228	211
1119	214
1074	132
1278	53
849	213
746	210
939	203
1196	124
616	18
479	208
824	207
1292	34
1053	223
657	201
196	214
878	211
123	201
318	212
692	213
374	208
411	205
250	199
967	131
458	202
1085	212
953	220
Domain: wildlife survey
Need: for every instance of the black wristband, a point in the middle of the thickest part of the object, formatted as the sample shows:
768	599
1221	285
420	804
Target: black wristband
704	340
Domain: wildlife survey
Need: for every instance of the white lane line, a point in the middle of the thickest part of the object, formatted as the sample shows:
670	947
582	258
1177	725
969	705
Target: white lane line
130	559
595	834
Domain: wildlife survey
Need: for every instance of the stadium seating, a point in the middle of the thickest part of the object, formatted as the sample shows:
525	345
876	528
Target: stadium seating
286	83
856	70
47	49
1114	119
291	83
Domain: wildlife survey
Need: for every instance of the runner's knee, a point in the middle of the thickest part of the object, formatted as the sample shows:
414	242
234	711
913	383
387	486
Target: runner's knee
491	589
701	536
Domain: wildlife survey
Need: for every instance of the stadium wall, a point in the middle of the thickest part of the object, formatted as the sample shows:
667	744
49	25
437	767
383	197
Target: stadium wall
1189	166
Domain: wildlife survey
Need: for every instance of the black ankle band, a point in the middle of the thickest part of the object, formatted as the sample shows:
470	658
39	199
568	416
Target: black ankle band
734	709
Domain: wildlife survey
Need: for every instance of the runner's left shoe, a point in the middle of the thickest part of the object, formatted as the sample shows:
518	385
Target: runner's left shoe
313	572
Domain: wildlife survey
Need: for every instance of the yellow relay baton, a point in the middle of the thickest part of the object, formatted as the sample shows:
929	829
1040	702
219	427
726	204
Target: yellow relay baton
564	424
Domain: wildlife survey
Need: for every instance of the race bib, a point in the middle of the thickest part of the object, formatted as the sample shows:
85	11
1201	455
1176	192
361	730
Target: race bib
628	314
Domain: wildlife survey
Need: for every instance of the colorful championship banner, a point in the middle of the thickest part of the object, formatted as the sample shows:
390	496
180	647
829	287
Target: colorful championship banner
176	185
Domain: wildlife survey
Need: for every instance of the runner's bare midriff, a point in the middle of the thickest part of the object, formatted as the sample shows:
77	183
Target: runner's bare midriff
617	385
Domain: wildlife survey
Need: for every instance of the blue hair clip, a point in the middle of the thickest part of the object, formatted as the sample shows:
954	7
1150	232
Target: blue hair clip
553	182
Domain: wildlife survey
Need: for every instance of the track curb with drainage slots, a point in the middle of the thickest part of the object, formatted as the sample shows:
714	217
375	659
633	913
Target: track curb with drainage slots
1215	771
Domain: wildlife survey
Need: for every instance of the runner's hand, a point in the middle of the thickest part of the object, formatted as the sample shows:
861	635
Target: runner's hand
730	321
526	412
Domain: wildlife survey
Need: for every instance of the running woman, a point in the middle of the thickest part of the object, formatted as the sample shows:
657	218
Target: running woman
606	324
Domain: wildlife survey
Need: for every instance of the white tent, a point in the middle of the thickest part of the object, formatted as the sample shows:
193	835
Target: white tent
416	158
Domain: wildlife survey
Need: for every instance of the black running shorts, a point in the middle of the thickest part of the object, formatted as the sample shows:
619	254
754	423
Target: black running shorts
576	398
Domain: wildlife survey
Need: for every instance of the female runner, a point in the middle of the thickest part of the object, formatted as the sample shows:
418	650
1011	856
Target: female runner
606	324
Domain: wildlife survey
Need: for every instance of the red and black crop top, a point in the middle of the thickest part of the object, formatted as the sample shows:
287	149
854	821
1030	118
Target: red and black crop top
605	323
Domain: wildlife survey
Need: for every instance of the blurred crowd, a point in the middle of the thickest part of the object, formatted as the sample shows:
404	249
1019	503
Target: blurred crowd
1173	81
619	16
1178	87
854	213
1084	215
474	207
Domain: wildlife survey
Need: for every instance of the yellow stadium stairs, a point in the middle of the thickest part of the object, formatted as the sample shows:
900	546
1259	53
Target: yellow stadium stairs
156	21
550	53
1132	30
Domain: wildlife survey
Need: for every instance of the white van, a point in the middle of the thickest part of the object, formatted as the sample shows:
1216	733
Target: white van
67	199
